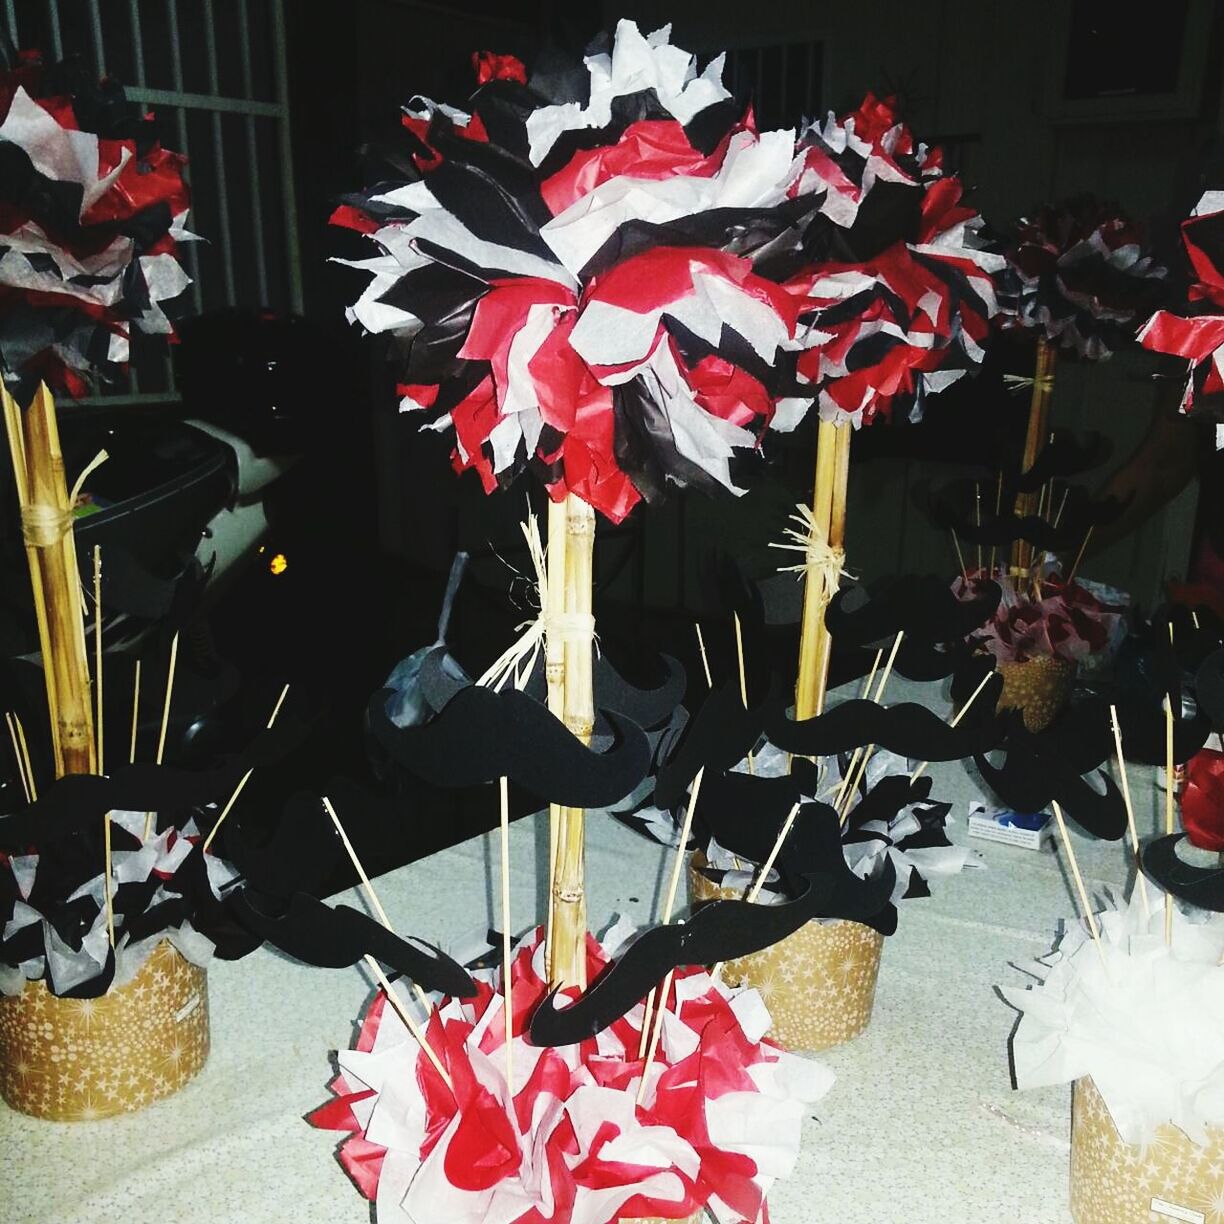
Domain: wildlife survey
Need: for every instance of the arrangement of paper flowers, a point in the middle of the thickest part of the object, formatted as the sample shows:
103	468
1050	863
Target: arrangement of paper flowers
1080	274
92	210
1195	330
578	1136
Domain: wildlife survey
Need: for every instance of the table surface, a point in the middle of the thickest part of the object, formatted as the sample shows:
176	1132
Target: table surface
922	1125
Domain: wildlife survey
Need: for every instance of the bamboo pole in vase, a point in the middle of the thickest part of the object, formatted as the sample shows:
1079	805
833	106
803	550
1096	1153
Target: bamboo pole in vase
1034	439
554	673
568	954
55	580
829	515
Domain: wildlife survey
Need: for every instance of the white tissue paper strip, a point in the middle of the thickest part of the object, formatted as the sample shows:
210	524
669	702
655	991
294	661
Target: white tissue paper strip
1145	1020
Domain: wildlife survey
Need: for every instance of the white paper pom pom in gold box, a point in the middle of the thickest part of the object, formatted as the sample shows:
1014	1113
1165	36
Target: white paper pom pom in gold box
819	984
1113	1182
75	1060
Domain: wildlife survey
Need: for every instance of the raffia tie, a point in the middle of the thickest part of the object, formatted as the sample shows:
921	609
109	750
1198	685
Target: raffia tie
44	525
1021	382
515	664
821	561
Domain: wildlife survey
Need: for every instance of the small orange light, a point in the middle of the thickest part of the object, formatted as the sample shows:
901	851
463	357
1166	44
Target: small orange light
279	563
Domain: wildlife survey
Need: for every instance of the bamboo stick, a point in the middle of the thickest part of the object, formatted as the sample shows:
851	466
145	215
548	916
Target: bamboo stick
21	773
97	595
135	714
858	762
705	659
1073	863
25	756
829	516
1039	414
171	667
743	679
568	960
106	878
977	511
1170	827
1130	810
956	720
553	596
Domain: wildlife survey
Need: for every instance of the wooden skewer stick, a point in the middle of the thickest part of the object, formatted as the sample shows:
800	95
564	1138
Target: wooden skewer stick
368	889
977	512
165	720
21	773
672	886
1130	810
759	883
1079	556
1062	505
705	659
135	714
504	795
1170	827
858	762
106	878
409	1023
918	772
225	811
960	560
998	509
25	756
1073	863
743	679
97	597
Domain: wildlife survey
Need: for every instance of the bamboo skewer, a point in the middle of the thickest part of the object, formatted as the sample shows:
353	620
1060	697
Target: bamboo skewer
504	797
165	721
410	1024
673	885
553	598
918	772
743	679
246	777
21	772
998	511
977	510
1170	827
960	559
1079	556
1130	810
97	596
25	756
135	714
705	659
1073	863
106	878
368	889
858	762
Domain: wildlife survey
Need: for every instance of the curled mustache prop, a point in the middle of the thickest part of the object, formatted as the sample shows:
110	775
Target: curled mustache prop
909	730
923	606
335	937
1209	688
481	735
717	931
1038	770
76	800
1065	456
718	736
647	707
1079	514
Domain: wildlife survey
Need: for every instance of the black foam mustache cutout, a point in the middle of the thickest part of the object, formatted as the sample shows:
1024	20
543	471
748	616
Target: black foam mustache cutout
1066	455
910	730
923	606
335	937
75	800
481	735
649	708
719	930
1079	515
1143	727
718	736
1202	887
1030	779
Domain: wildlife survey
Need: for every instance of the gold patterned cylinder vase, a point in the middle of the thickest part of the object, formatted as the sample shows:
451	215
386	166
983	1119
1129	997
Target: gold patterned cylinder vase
819	984
75	1060
1113	1182
1038	687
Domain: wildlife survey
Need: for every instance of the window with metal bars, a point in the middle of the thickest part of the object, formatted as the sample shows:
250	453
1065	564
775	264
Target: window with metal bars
784	81
213	74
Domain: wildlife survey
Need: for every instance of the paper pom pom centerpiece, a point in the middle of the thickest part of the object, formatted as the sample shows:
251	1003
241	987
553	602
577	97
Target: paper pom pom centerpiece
92	210
717	1124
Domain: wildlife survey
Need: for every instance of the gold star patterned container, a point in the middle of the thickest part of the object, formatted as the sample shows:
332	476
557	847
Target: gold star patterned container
1038	687
73	1060
1113	1182
819	984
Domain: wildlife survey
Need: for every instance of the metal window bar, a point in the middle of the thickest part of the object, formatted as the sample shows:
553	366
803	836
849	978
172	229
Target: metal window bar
232	117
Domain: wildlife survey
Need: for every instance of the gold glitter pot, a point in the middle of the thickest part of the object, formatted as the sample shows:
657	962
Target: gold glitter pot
819	984
73	1060
1039	688
1113	1182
